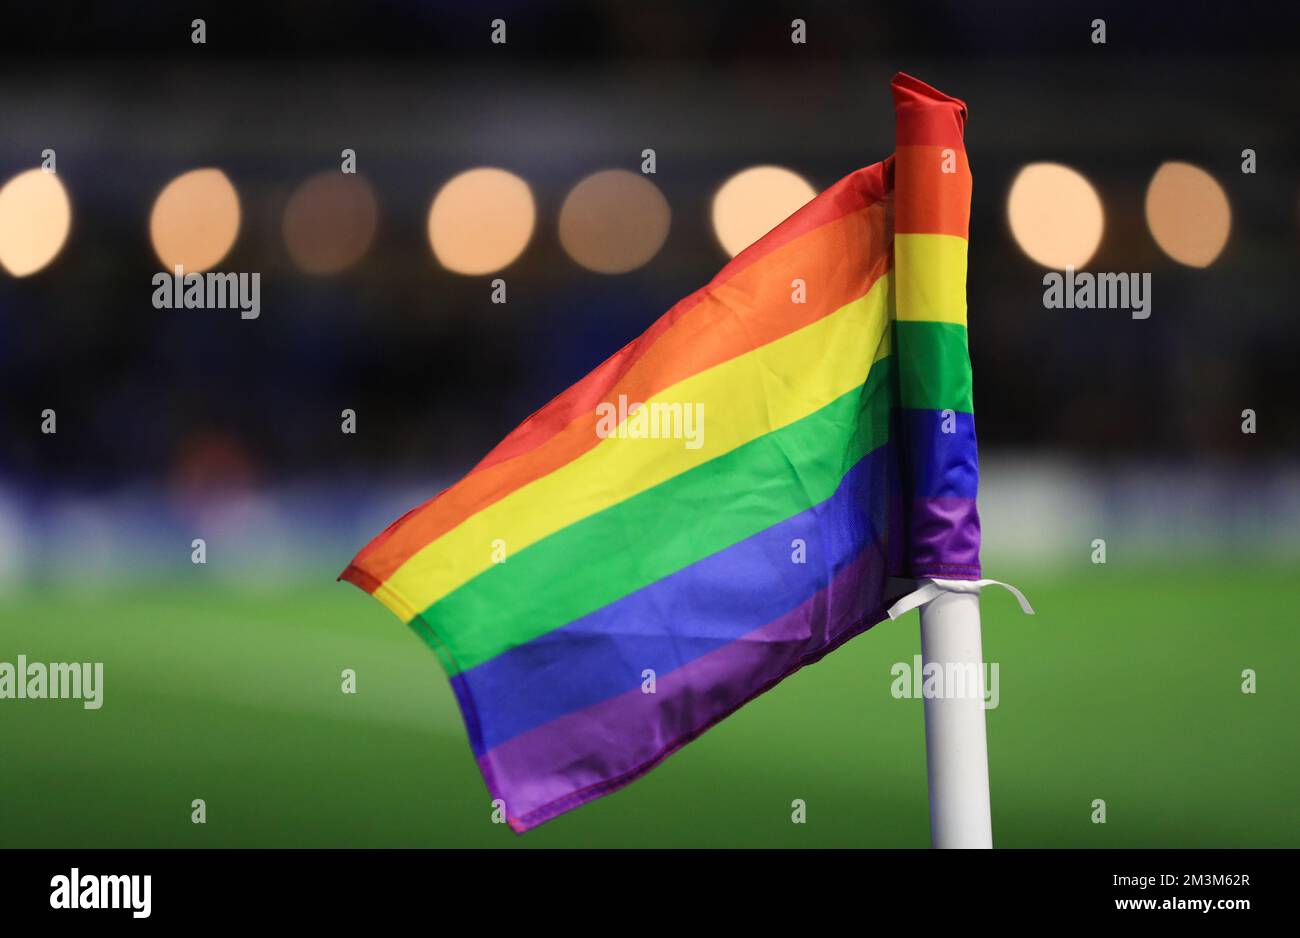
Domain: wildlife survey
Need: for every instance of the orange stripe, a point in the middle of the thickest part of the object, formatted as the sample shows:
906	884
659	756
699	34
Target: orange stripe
749	310
937	202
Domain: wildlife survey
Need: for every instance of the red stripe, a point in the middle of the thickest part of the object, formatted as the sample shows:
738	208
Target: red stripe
926	116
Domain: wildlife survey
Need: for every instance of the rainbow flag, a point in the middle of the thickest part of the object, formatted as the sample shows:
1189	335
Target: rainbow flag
613	579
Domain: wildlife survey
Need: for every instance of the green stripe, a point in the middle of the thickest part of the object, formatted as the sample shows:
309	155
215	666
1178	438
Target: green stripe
934	363
642	539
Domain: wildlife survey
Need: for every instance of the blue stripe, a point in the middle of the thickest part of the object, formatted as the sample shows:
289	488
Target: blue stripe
675	620
942	460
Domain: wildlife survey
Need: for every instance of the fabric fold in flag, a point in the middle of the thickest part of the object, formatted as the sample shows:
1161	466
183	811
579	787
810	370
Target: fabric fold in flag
602	590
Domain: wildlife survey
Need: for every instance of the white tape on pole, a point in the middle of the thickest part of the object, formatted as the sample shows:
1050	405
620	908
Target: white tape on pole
934	587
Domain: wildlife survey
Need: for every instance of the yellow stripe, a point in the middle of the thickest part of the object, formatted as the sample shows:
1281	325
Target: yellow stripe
744	398
931	271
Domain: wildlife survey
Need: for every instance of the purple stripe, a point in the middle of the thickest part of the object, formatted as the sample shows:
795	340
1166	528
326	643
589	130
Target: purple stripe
588	753
944	538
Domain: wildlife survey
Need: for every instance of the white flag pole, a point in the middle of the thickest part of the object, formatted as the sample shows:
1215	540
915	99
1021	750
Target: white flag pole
956	746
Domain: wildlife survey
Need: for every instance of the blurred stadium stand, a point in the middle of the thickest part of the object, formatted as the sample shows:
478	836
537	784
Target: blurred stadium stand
184	404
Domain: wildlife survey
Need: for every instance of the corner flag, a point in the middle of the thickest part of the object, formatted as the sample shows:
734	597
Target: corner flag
719	503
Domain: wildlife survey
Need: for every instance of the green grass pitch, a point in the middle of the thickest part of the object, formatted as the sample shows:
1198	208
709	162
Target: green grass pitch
1125	687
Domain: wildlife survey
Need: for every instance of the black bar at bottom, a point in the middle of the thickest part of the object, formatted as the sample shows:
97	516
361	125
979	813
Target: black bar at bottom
620	890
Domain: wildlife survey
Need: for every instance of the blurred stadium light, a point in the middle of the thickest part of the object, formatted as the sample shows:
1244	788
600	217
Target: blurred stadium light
35	216
1188	214
614	221
754	201
195	220
481	220
330	221
1055	215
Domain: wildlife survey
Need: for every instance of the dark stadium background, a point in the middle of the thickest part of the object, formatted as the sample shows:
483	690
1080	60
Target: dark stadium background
222	680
